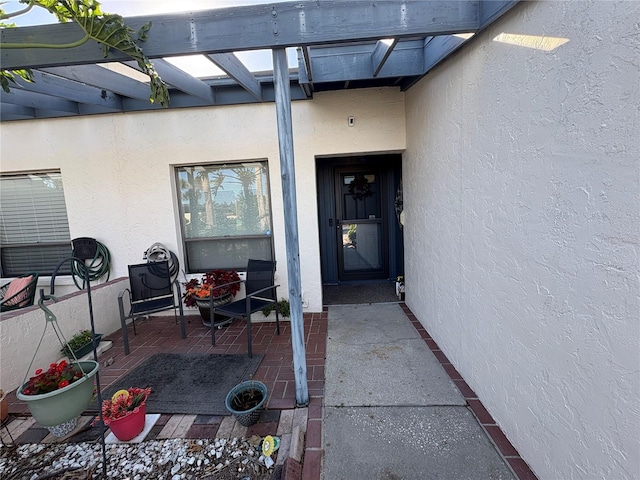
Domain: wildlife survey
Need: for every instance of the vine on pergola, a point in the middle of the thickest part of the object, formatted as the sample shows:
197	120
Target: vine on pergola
105	28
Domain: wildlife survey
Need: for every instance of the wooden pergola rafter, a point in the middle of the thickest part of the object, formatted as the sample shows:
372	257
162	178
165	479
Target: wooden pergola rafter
355	44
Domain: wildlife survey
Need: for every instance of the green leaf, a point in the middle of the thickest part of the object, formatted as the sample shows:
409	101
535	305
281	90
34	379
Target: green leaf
8	76
106	29
143	33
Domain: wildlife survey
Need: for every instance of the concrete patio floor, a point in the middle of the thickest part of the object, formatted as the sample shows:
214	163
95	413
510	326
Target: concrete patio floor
409	358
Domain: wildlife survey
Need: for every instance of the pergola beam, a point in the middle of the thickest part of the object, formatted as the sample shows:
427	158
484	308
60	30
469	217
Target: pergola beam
233	67
48	84
102	78
10	111
278	25
304	71
435	51
35	100
381	54
356	62
179	79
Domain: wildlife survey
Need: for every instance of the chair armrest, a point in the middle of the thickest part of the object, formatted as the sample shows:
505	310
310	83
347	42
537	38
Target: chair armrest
178	291
126	290
227	284
121	297
270	287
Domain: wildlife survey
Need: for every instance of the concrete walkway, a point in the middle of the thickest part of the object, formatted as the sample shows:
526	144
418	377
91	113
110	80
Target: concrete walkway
390	409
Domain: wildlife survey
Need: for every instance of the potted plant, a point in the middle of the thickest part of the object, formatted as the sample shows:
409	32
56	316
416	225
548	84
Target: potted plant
283	307
222	284
80	344
245	401
125	412
56	397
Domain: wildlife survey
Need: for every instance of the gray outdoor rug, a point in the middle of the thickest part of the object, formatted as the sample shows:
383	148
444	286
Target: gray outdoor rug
187	383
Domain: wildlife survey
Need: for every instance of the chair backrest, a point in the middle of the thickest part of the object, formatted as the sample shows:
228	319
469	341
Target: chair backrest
261	274
150	281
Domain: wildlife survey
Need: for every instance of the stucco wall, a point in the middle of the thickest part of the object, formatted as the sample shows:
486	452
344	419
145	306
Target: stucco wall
522	231
117	170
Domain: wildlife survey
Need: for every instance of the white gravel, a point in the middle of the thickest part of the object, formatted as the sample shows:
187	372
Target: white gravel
174	459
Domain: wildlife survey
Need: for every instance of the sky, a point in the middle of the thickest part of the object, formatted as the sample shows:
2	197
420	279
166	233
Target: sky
255	61
131	8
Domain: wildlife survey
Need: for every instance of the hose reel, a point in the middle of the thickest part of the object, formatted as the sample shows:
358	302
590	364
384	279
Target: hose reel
159	253
89	249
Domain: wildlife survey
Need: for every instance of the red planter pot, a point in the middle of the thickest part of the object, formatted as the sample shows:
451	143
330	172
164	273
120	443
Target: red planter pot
128	427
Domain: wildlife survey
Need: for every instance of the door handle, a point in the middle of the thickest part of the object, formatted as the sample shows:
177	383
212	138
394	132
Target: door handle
331	222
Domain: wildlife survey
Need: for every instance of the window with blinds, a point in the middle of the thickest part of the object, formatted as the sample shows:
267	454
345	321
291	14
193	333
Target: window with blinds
34	229
225	215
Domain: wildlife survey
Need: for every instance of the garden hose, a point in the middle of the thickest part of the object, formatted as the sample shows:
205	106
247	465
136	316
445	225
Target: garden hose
97	267
158	253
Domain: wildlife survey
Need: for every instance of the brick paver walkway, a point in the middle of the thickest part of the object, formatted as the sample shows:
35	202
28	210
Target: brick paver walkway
161	334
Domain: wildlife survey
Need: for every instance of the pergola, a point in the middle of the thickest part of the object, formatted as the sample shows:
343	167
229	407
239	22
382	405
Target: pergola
340	45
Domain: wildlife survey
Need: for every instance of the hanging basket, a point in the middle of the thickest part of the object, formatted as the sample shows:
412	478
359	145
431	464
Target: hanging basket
245	401
131	425
61	408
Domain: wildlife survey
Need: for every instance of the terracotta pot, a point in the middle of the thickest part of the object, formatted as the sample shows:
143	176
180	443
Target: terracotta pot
130	426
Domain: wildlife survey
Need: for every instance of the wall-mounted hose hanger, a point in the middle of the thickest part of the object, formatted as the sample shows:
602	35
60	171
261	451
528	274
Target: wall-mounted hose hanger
96	257
159	253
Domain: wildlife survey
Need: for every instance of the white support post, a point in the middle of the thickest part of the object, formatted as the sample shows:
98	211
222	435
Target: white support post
287	170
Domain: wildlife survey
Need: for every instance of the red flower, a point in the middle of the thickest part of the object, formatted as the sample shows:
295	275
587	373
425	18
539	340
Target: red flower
123	405
204	288
59	375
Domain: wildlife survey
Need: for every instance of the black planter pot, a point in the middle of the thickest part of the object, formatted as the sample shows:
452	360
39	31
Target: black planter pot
218	320
86	348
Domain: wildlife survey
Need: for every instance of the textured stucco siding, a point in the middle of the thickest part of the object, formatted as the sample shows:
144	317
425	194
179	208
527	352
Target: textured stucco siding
118	170
522	232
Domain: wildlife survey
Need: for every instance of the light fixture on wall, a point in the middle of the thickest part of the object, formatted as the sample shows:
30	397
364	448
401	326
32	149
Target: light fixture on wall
538	42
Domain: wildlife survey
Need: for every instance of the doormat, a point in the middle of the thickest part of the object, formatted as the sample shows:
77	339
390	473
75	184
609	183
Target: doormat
361	293
194	384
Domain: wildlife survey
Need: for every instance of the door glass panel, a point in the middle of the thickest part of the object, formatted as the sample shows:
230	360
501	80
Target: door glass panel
361	246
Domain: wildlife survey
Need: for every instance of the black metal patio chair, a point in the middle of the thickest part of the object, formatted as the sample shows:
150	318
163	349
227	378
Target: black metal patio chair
151	291
19	292
260	291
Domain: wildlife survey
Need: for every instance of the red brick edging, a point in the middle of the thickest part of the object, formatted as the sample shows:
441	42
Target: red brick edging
502	443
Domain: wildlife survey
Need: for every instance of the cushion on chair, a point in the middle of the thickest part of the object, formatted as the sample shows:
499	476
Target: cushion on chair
15	287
